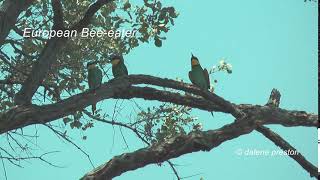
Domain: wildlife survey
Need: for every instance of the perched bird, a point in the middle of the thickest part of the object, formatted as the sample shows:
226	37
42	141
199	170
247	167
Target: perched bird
94	79
118	67
198	76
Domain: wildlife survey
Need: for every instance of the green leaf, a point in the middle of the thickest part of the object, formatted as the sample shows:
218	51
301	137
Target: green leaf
158	42
28	12
76	124
66	120
127	5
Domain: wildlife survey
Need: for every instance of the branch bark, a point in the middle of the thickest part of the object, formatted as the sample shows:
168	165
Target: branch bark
284	145
39	70
168	83
171	148
122	88
125	88
85	21
9	12
274	101
58	14
48	55
205	141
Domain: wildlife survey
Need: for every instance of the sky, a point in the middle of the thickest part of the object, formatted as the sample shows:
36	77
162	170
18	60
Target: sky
270	44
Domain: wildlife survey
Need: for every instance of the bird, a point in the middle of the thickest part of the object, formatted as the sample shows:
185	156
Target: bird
94	79
198	76
118	67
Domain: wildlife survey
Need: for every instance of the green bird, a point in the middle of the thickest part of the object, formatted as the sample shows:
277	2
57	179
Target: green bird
118	67
94	79
198	76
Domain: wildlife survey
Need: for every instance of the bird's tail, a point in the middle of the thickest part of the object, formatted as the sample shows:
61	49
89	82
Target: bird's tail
44	94
93	107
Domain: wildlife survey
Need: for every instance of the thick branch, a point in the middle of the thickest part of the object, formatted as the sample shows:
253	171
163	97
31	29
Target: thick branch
171	148
85	21
24	115
271	115
274	101
134	130
58	14
168	83
204	141
121	88
9	12
48	55
284	145
39	70
148	93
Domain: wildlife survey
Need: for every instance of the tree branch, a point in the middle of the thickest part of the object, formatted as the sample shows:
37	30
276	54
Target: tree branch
39	70
171	148
134	130
284	145
168	83
48	55
202	141
6	60
274	101
64	137
9	12
58	14
121	88
85	21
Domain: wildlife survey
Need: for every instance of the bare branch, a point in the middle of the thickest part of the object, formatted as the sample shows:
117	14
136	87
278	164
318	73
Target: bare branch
117	124
171	148
41	157
4	167
177	146
68	140
284	145
9	12
174	170
85	21
274	99
224	104
120	88
136	132
58	14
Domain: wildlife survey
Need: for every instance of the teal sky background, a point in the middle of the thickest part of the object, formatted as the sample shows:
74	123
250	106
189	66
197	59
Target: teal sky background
270	44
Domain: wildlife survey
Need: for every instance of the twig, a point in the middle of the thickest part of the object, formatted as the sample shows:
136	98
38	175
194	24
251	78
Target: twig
174	169
68	140
4	167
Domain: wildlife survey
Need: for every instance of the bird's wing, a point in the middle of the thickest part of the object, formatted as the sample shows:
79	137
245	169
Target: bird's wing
125	69
90	79
114	71
191	78
99	76
206	76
